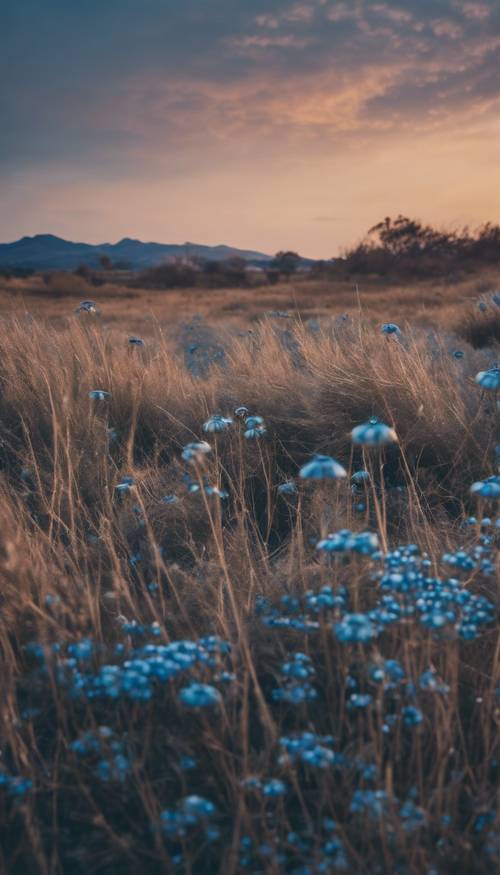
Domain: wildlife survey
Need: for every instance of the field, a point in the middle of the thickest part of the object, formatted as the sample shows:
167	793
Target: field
220	653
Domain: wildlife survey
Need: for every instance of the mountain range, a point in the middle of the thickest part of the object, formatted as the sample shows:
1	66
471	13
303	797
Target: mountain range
48	252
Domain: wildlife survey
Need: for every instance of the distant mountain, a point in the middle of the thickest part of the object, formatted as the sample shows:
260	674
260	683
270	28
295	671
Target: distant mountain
47	252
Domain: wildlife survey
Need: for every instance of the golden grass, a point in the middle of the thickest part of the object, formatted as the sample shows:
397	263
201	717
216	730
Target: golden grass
77	560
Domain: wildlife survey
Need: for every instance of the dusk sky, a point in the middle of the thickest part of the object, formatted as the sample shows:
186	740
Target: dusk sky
263	124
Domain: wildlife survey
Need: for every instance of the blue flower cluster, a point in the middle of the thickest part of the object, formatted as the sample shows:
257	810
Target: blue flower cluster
191	812
15	785
141	670
345	541
109	753
297	672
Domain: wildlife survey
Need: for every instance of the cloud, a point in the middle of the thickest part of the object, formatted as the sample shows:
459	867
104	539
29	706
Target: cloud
162	92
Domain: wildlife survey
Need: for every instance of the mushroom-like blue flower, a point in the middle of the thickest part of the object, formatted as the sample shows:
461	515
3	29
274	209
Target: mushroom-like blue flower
99	395
217	423
355	628
195	451
391	328
458	354
373	434
482	306
197	806
322	468
360	477
489	488
136	341
489	380
289	487
86	307
255	427
200	696
170	499
125	484
241	412
274	787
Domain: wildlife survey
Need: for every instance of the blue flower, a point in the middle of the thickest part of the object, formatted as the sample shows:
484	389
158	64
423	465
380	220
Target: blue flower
373	434
217	423
255	427
489	488
322	468
489	380
197	806
136	341
359	700
86	307
274	787
125	484
391	328
170	499
289	487
355	628
364	543
195	451
241	412
99	395
458	354
200	696
411	716
360	477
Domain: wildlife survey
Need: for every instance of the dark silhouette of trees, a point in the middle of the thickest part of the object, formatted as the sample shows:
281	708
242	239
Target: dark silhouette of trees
286	262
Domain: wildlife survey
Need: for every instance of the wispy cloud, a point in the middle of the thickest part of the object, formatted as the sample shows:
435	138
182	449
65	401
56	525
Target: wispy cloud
164	93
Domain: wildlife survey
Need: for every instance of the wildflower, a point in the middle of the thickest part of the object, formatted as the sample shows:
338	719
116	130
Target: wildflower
458	354
374	803
136	341
214	490
194	451
322	468
125	484
364	543
360	477
373	434
217	423
411	716
99	395
200	696
170	499
489	488
430	682
359	700
86	307
274	787
355	628
255	427
482	306
197	806
289	487
391	328
241	412
489	380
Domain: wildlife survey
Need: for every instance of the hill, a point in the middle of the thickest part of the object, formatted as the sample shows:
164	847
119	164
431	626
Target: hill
48	252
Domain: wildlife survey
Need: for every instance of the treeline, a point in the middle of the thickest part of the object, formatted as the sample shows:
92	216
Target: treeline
404	246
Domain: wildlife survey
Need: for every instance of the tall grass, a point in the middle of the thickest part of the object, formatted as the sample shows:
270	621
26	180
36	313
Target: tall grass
410	786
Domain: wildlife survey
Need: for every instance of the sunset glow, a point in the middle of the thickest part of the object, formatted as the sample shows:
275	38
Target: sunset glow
268	124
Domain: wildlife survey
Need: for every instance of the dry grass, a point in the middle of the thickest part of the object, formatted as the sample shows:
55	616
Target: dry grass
436	303
78	560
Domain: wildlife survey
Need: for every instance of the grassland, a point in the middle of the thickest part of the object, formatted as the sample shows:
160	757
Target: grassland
188	683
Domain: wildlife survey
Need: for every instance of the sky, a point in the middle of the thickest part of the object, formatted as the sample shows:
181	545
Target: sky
263	124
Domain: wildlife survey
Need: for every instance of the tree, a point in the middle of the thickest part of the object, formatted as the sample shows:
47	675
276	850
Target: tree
286	262
105	262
